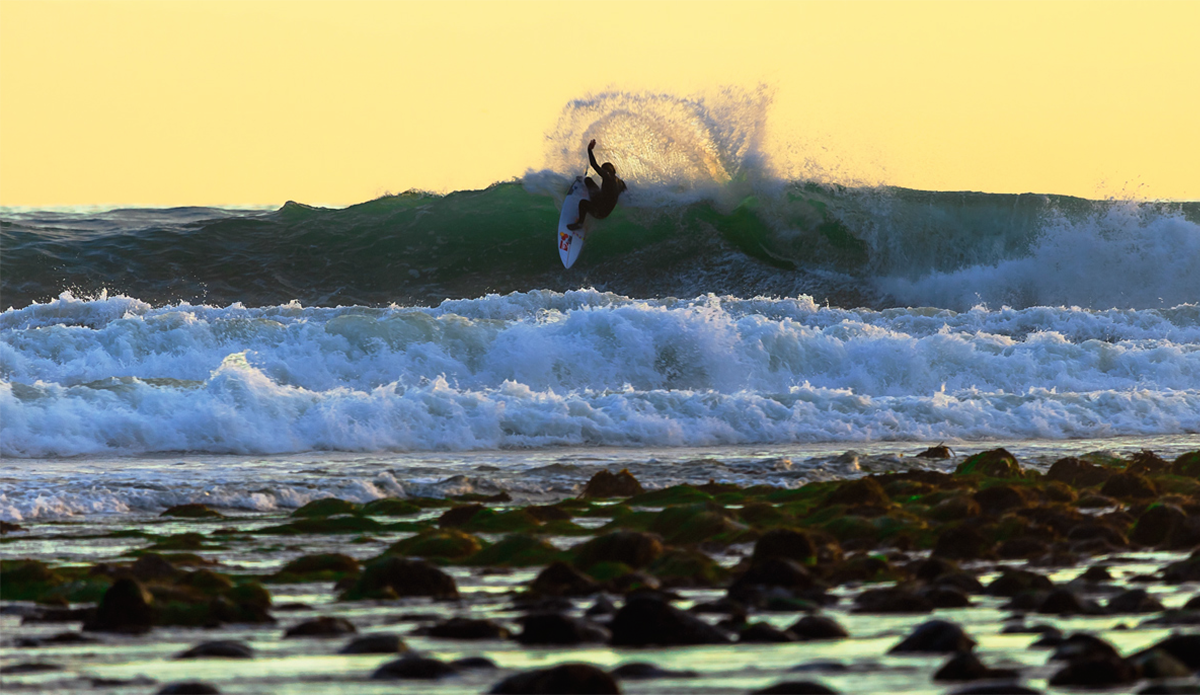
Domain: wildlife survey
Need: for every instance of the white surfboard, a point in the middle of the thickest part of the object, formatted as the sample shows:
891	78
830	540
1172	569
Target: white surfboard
571	243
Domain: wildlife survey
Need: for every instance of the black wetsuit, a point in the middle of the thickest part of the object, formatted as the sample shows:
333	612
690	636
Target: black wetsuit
603	197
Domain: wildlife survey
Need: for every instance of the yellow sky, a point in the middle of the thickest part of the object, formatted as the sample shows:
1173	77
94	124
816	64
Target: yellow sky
248	102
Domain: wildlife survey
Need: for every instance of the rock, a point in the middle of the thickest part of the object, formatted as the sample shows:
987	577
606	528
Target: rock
772	573
560	579
1146	461
152	567
1170	689
996	689
389	506
60	638
1081	646
440	543
965	666
1187	465
466	629
935	637
474	662
375	644
324	626
687	567
1100	670
329	506
1156	663
192	511
998	499
322	564
794	688
1157	523
645	621
188	688
955	508
1021	548
818	627
640	670
1128	486
962	543
893	599
944	596
1063	602
1133	601
126	607
565	679
559	629
788	544
764	633
995	463
1016	581
29	667
459	516
941	451
391	577
632	548
859	492
414	667
1078	473
605	484
516	550
219	649
1185	570
1185	648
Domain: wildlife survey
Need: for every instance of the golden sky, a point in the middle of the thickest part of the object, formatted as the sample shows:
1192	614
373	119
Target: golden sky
258	102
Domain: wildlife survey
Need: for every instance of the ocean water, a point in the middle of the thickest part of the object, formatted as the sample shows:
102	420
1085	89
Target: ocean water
726	309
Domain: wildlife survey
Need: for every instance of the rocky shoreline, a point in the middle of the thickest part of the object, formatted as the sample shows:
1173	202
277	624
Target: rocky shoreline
456	593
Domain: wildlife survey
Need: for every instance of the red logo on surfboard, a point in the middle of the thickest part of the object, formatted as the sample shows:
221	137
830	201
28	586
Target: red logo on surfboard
564	241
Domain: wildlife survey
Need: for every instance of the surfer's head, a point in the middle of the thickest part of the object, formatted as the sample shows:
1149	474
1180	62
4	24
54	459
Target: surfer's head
608	166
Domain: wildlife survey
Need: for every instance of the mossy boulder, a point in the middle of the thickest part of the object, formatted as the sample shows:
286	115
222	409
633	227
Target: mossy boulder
516	550
786	543
674	495
684	567
763	515
206	582
493	521
859	492
694	523
391	507
1187	465
395	577
184	541
994	463
329	506
192	511
605	484
632	548
27	580
325	525
441	544
1078	473
1128	486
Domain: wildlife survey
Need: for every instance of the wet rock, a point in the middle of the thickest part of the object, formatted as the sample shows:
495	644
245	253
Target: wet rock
818	627
1016	581
414	667
152	567
1146	462
559	629
962	543
466	629
548	512
1081	646
1128	486
687	567
764	633
1078	473
605	484
392	577
645	621
219	649
640	670
565	679
955	508
1156	524
788	544
1186	570
323	565
995	689
1187	465
192	511
997	499
965	666
935	637
468	663
859	492
324	626
442	543
1155	663
774	573
1185	648
329	506
7	527
188	688
603	606
560	579
29	667
1038	629
943	596
1097	671
794	688
390	507
459	516
632	548
1170	689
60	638
892	600
941	451
126	607
516	550
995	463
1066	602
375	644
1133	601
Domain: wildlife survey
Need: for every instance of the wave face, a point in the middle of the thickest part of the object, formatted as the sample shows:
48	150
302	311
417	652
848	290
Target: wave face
117	375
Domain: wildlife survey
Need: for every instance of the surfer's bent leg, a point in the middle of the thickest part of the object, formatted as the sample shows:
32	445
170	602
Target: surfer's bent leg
577	225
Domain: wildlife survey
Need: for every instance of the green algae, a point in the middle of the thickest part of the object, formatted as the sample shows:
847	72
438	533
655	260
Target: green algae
676	494
438	544
391	507
516	550
316	567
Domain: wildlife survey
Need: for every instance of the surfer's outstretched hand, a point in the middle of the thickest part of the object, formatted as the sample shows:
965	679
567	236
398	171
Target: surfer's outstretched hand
592	144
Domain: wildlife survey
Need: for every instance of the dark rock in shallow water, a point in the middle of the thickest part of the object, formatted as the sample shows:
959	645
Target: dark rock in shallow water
1187	465
188	688
645	621
605	484
565	679
559	629
795	688
474	662
1170	689
965	666
788	544
1155	663
466	629
962	543
1099	670
764	633
392	577
219	649
893	599
1156	523
1185	648
1081	646
60	638
126	607
458	516
324	626
861	491
994	463
29	667
773	572
192	511
1133	601
640	670
415	667
1186	570
1128	486
996	689
560	579
632	548
997	499
818	627
153	567
1066	602
374	644
1015	581
1078	473
935	637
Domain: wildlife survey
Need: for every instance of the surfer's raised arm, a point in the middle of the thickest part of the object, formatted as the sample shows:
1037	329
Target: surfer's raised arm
592	157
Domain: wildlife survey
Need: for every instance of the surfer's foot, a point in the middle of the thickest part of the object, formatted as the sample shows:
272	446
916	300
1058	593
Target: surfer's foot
575	226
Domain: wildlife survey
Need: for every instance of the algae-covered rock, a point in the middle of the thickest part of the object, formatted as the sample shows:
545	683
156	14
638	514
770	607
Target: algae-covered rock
323	525
318	567
459	515
27	580
682	567
443	544
184	541
192	511
392	577
629	547
126	607
516	550
605	484
790	544
763	515
391	507
206	582
859	492
1128	486
694	523
1187	465
560	579
994	463
492	521
329	506
677	494
1078	473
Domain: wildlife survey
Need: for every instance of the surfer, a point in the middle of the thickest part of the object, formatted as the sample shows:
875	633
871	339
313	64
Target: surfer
603	197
